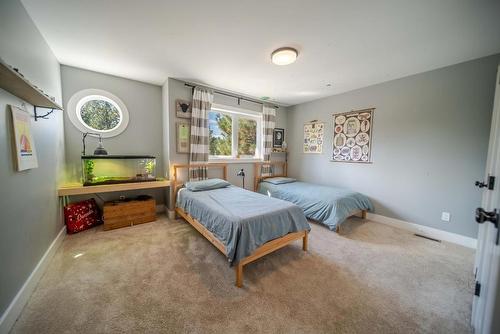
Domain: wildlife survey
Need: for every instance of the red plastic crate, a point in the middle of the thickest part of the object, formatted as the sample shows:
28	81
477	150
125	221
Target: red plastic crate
81	216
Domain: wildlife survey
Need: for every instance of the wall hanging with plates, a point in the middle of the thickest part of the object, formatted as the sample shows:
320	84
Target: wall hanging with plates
352	136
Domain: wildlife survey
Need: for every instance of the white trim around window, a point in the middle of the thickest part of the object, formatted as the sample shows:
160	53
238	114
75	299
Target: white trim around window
81	97
235	114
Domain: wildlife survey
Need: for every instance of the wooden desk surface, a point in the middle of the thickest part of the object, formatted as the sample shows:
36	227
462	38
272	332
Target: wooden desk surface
78	189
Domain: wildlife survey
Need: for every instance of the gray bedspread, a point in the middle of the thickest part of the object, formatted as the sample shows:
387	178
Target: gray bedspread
328	205
242	220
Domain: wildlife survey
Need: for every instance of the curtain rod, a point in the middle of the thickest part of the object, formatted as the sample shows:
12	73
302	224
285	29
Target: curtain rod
231	95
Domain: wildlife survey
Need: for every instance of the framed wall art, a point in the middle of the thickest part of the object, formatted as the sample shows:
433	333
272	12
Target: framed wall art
23	139
183	134
278	137
313	137
183	108
352	136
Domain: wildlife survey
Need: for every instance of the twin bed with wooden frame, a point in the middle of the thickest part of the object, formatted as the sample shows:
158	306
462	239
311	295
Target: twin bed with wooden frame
257	229
328	205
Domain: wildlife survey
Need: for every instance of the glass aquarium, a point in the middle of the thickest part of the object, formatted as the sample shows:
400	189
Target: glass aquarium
112	169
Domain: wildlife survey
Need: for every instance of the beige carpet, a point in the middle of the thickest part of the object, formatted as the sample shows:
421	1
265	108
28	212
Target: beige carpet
165	277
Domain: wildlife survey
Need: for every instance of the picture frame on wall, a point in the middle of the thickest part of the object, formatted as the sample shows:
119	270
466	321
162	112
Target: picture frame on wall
183	108
352	136
278	137
313	137
25	152
183	135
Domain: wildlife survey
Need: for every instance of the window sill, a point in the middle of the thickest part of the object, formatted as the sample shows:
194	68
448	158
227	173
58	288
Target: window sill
233	161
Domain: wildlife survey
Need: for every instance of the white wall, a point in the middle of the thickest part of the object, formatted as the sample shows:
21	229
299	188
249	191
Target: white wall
430	140
30	212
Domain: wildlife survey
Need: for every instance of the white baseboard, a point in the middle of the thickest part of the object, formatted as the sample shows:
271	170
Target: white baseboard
424	230
16	306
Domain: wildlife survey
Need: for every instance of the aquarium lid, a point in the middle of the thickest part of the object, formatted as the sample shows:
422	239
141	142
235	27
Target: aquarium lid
85	157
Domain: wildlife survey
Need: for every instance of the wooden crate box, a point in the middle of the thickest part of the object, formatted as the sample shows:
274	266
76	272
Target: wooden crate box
127	213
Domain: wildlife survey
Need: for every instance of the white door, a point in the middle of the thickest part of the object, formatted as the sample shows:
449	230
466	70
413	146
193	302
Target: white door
486	302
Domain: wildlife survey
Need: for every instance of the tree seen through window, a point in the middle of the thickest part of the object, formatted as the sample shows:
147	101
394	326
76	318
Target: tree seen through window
220	133
100	115
247	136
226	128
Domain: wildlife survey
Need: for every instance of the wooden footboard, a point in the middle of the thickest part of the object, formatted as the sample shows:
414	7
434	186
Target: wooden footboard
267	248
263	250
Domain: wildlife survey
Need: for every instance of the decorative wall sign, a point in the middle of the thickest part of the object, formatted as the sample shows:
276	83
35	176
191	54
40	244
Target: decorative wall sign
313	137
25	146
183	134
352	138
183	108
278	137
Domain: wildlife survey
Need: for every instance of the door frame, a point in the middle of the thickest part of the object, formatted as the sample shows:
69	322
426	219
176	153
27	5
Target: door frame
487	264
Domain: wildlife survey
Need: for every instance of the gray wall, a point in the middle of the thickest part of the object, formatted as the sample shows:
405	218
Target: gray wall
30	213
143	135
430	141
177	90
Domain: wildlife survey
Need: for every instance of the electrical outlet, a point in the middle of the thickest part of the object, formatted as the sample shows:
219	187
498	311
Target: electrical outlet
445	216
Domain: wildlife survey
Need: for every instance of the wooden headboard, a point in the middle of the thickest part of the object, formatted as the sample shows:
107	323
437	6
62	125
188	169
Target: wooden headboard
258	171
176	184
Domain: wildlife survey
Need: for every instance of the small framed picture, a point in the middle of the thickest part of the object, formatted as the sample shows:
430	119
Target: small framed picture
183	108
24	144
183	134
278	137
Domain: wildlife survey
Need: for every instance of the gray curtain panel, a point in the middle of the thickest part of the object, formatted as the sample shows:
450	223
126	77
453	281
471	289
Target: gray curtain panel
202	103
269	117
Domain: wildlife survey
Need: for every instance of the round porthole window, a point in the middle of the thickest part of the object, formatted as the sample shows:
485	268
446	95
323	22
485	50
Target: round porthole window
98	111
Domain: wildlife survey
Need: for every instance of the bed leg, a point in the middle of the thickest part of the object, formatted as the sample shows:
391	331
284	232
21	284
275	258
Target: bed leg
363	214
239	275
305	244
337	229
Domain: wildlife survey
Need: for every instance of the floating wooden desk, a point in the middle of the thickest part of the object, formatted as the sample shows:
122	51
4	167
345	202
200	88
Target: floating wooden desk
78	189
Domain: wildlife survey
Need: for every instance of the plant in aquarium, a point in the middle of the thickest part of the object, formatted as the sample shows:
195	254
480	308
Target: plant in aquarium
89	170
150	167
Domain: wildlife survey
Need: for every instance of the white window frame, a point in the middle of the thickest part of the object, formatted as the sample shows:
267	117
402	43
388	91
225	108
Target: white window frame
236	113
80	98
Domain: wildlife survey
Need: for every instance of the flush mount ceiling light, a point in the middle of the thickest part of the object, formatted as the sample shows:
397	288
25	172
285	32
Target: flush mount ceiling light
284	56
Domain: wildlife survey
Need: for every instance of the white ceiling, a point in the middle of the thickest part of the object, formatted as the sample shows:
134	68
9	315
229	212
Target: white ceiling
227	43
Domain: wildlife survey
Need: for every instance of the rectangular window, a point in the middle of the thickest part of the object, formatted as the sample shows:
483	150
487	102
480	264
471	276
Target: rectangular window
234	133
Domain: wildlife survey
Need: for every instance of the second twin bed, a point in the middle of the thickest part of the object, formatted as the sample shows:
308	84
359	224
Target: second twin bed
327	205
